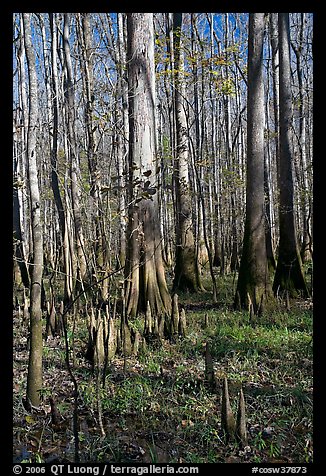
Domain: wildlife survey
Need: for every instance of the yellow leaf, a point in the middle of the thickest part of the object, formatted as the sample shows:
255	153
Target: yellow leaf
29	419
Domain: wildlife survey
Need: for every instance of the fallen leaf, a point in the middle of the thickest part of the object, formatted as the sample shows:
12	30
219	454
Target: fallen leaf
232	459
29	419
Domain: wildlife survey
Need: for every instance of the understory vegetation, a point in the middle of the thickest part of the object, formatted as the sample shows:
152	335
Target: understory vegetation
158	407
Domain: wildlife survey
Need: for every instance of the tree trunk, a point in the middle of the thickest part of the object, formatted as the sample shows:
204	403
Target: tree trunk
34	376
73	156
289	274
20	147
144	269
304	188
253	282
68	285
186	272
122	138
22	274
101	247
273	30
268	220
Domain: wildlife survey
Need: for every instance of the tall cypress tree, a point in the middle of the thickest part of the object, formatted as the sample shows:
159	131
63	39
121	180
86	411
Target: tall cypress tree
289	273
253	282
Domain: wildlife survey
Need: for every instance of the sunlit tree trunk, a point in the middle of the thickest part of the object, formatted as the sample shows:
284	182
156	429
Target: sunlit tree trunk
304	189
101	266
73	155
273	31
122	137
21	274
68	284
144	269
20	163
34	376
268	184
268	219
186	272
253	284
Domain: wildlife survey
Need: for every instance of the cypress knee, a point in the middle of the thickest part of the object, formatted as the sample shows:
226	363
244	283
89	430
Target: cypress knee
227	417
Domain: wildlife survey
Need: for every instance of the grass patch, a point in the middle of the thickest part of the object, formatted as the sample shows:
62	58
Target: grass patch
161	410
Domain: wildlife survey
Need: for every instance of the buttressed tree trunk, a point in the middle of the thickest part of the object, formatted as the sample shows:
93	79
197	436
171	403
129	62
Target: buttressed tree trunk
186	272
289	274
144	270
253	282
34	377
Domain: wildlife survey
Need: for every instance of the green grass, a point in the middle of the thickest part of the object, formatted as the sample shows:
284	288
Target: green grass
162	410
268	356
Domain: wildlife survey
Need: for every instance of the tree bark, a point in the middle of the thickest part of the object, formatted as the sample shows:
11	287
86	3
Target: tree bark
122	137
73	155
186	272
289	274
304	191
273	31
144	270
101	264
253	283
20	164
68	285
21	274
34	376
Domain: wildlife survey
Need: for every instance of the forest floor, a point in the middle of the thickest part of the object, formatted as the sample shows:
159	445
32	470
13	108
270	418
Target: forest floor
160	409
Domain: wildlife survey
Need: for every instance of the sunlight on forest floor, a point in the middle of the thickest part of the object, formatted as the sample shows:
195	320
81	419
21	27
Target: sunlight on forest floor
161	408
